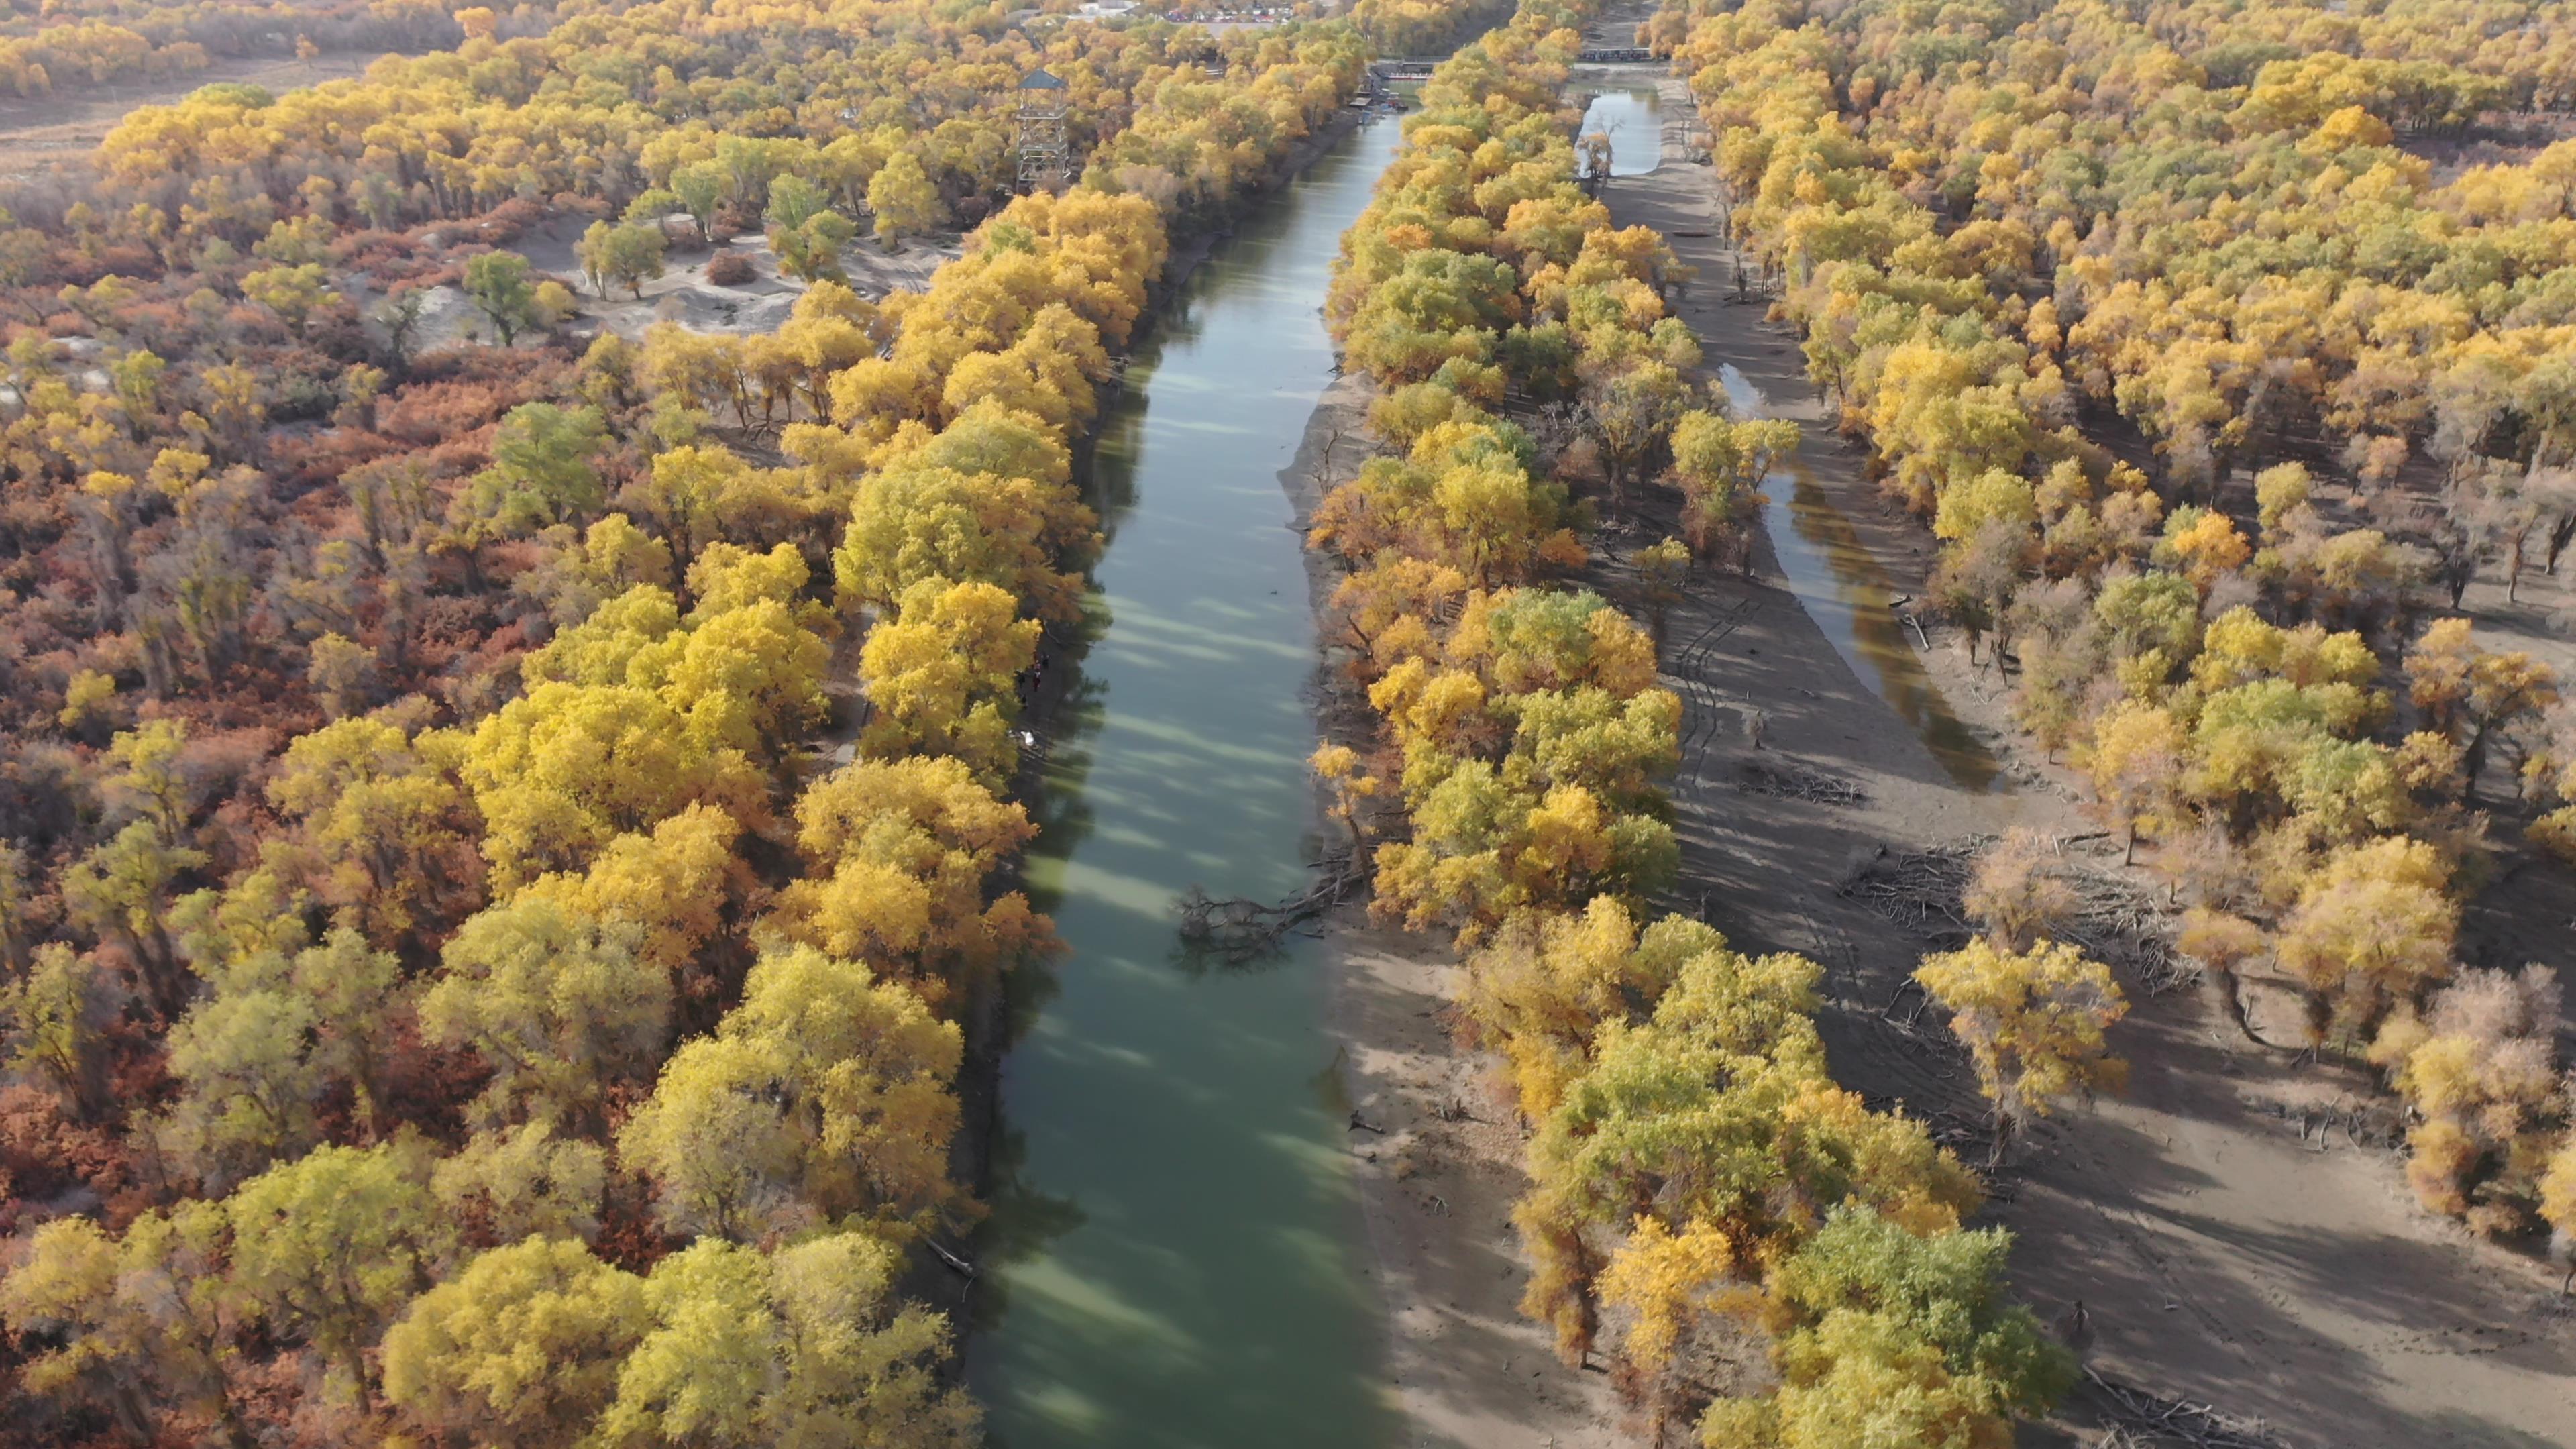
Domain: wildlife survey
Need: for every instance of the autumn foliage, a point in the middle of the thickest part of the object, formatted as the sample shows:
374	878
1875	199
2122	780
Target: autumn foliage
444	973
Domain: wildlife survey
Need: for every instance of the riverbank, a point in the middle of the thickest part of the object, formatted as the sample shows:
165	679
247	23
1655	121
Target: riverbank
1436	1150
2226	1254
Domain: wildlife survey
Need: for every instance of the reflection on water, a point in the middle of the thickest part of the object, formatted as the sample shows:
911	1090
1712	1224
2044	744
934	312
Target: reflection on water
1852	599
1174	1251
1636	133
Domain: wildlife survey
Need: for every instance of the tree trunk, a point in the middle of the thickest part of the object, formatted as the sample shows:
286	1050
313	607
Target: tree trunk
2231	996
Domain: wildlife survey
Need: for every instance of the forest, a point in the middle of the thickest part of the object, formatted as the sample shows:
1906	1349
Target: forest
440	986
471	974
1693	1164
2214	389
2219	349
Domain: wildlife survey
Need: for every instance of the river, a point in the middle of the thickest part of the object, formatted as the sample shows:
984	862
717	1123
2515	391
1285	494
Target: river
1175	1251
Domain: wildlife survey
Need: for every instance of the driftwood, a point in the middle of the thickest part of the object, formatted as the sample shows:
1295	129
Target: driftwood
955	1263
1797	782
2116	920
2366	1124
1919	890
1239	931
2141	1418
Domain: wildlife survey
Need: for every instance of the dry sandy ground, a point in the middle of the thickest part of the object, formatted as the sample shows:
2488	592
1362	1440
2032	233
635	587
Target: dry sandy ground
682	294
2227	1257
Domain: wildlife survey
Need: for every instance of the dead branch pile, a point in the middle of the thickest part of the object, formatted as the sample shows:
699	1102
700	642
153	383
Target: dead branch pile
1797	782
1918	890
2367	1124
2142	1418
1962	1132
1238	931
2117	921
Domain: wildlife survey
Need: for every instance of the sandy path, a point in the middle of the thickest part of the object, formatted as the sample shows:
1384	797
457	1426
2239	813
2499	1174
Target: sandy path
2225	1257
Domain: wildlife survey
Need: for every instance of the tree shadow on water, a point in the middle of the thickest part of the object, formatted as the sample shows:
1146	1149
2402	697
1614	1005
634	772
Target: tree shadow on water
1022	1222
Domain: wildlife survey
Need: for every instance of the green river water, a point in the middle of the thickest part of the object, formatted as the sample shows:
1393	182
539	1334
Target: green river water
1174	1257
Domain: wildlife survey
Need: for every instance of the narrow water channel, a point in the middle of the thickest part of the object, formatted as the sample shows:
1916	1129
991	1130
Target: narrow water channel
1633	119
1175	1248
1853	600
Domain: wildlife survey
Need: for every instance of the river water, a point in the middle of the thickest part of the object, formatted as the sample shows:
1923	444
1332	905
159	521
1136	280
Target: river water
1843	588
1174	1254
1633	120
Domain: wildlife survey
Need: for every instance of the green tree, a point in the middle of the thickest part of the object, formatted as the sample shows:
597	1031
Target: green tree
811	250
544	471
806	1346
148	779
122	889
700	187
558	1004
1722	468
825	1095
328	1248
1715	1117
499	286
383	818
528	1181
293	293
1896	1338
137	1323
49	1024
626	254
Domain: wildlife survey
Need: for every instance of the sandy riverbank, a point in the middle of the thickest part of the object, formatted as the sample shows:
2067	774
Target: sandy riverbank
1438	1164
